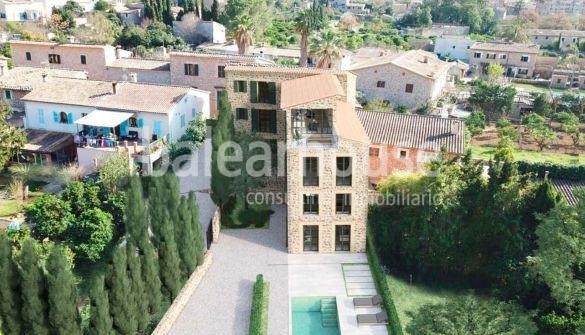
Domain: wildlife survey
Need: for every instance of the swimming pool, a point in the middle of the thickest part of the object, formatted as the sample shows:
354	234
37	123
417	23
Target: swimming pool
314	316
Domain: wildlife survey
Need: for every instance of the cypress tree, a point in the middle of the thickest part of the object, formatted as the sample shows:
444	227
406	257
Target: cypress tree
151	276
100	321
137	287
136	216
9	291
186	239
223	131
33	291
167	15
215	11
122	305
198	236
62	295
156	208
169	260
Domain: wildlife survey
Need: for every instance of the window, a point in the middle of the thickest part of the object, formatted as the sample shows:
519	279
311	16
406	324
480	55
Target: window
311	238
262	92
403	153
264	121
221	71
7	94
477	55
310	204
374	152
241	114
409	88
343	203
83	60
523	72
28	56
54	59
524	59
311	171
191	69
240	86
342	237
63	118
343	176
133	122
182	120
490	56
381	84
503	56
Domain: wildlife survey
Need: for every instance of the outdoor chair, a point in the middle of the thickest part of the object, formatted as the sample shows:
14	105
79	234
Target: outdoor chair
372	301
372	319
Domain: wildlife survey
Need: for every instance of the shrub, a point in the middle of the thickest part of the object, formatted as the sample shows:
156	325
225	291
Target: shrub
559	171
394	326
51	215
259	312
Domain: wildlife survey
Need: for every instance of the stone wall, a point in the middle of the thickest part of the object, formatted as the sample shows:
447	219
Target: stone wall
166	323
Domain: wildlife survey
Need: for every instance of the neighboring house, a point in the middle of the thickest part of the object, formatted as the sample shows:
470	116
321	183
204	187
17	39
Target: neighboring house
20	81
517	59
407	142
143	117
196	31
82	57
356	8
206	71
571	7
21	10
455	47
412	78
565	78
130	16
313	112
439	29
563	39
139	70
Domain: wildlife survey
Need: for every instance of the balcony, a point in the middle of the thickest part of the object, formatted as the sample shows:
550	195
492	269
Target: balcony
313	128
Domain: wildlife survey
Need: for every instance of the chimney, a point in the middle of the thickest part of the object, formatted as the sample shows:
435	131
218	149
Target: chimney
426	59
71	39
133	77
44	75
114	84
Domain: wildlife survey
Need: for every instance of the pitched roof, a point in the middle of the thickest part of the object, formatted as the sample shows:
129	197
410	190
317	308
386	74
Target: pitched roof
506	47
567	189
28	78
259	68
141	64
556	32
420	62
226	56
347	124
129	96
302	90
55	44
414	131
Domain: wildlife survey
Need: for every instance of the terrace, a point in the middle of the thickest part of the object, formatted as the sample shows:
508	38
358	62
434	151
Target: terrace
313	127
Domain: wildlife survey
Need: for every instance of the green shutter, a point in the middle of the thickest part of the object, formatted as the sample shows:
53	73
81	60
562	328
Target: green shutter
272	93
254	120
235	86
272	121
253	91
244	86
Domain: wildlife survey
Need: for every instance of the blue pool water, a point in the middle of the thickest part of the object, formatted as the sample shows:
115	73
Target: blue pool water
308	318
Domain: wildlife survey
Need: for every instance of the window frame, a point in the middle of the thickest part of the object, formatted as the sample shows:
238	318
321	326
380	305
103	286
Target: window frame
381	84
310	236
83	59
311	171
191	69
221	71
409	88
240	86
343	180
241	113
310	204
343	203
28	56
374	152
54	59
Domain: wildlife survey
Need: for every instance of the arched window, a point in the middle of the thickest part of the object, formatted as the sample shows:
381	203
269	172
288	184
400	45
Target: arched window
63	117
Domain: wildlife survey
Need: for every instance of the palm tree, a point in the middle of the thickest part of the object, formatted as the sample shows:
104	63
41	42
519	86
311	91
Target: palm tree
327	49
243	33
306	21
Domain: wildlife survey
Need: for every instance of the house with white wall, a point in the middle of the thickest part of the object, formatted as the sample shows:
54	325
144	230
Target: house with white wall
21	10
108	117
453	46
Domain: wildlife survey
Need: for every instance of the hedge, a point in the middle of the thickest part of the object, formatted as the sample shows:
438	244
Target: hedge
259	313
394	326
555	171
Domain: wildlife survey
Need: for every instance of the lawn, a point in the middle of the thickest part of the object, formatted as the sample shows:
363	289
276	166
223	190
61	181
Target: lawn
540	89
486	153
9	207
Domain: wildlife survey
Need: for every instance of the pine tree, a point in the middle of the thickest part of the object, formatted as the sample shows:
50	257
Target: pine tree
198	236
137	287
62	295
151	276
169	260
100	321
186	239
33	291
122	305
9	291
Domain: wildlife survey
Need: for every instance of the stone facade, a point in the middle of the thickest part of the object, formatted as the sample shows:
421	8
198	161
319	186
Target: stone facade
297	150
518	60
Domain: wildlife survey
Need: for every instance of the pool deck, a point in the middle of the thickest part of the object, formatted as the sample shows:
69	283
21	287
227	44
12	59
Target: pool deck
324	275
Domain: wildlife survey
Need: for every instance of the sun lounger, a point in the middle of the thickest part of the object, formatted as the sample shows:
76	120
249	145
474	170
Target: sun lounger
373	319
372	301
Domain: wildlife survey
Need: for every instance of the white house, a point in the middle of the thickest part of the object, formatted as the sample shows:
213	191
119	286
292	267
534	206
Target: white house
108	117
452	46
21	10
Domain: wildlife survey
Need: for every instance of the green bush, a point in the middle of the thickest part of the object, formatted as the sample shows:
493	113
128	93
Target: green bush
259	312
558	171
236	215
394	326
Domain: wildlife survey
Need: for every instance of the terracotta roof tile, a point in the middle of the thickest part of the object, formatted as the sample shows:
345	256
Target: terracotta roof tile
27	78
141	64
302	90
506	47
413	131
420	62
347	124
258	68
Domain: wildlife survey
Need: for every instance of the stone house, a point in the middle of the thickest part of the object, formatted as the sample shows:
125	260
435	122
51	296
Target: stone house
105	118
312	113
518	60
407	142
566	78
563	39
412	78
